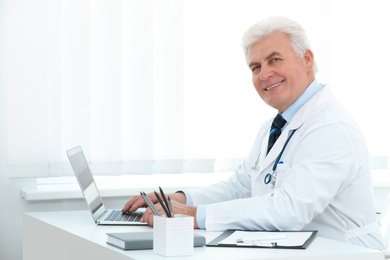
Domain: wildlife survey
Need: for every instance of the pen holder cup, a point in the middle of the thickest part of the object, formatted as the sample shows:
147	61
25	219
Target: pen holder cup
173	236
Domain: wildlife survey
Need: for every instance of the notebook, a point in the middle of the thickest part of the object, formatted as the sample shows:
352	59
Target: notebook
100	214
141	240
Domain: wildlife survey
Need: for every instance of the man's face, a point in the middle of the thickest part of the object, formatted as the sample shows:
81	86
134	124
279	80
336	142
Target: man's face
278	75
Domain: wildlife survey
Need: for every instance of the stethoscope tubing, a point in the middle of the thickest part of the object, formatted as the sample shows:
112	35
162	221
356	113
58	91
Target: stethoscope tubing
271	178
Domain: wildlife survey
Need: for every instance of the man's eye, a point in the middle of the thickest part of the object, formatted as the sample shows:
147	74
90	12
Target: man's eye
256	69
275	60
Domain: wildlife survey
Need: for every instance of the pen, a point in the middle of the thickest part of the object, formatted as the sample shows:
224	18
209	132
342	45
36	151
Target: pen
166	202
261	240
146	201
162	204
170	207
271	244
150	204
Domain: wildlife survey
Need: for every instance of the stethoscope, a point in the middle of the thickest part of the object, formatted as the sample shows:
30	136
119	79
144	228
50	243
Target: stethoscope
270	178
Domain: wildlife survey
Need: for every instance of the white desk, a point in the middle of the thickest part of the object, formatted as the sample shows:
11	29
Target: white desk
73	235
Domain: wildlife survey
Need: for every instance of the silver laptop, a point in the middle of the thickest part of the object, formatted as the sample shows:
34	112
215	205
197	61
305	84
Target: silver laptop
100	214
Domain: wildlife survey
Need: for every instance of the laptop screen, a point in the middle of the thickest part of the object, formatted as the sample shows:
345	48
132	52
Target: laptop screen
85	179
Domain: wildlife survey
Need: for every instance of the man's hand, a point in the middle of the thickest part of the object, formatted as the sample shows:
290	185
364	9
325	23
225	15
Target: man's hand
138	202
178	200
178	208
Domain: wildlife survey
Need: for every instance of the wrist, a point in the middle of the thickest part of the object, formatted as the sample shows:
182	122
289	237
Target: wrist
192	212
180	196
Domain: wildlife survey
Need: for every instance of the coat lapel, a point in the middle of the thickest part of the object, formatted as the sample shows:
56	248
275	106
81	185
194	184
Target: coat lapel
323	96
266	160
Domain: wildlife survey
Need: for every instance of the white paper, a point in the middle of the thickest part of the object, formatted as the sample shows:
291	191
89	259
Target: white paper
255	237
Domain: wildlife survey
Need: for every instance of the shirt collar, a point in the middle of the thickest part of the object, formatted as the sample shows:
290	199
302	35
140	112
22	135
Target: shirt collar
311	90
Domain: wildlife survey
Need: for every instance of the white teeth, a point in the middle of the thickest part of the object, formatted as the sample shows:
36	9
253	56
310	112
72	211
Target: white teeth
277	84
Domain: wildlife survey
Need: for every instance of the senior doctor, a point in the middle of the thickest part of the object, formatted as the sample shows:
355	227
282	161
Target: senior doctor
316	176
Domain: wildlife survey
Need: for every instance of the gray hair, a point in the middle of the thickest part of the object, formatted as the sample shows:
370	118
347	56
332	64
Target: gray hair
264	28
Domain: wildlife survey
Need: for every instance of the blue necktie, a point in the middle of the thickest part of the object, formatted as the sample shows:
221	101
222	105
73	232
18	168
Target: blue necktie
276	130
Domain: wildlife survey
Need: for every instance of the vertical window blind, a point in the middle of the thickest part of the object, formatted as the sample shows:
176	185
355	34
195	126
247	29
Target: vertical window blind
162	86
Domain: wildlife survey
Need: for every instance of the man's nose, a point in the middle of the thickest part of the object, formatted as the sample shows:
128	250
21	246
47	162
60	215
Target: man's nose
266	72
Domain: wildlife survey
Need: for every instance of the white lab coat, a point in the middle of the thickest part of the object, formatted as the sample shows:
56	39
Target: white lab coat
323	184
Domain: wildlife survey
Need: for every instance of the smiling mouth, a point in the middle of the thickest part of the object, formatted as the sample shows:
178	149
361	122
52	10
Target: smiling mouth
275	85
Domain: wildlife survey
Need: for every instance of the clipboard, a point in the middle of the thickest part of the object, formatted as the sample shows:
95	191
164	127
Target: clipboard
271	239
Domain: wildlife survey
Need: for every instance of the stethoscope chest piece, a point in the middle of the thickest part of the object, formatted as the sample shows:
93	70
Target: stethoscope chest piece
267	178
270	179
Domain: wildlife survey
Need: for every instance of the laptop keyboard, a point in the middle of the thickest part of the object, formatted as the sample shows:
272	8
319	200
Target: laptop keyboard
118	215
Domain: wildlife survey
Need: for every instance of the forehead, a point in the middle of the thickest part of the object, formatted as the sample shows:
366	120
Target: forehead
275	43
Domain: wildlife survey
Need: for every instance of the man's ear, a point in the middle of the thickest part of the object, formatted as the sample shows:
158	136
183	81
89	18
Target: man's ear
309	59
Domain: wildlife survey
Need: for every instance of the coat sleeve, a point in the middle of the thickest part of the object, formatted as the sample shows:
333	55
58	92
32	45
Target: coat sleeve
238	186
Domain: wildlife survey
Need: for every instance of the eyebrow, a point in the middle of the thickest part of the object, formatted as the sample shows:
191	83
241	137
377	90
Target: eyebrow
275	53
